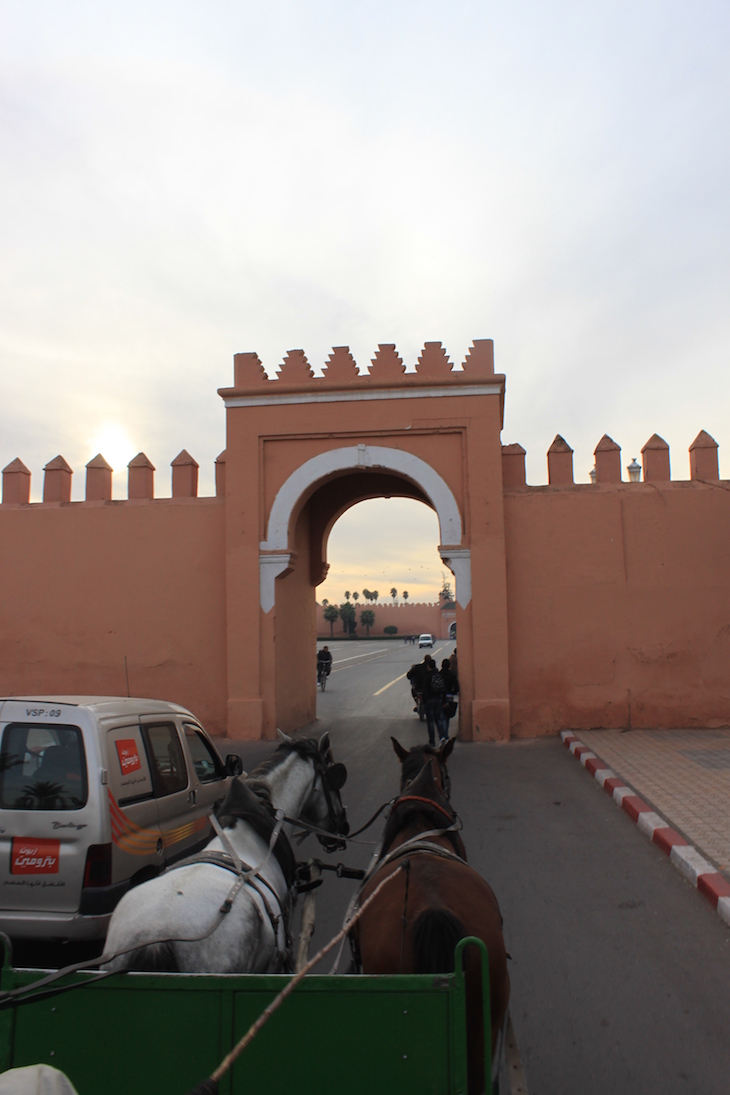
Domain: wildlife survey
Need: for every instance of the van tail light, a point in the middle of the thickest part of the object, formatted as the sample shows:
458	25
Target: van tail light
98	871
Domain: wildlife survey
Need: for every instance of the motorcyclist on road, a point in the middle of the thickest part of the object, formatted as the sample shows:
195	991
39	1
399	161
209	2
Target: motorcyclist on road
417	676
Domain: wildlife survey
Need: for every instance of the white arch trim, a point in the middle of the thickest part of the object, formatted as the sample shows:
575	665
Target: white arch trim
361	456
458	560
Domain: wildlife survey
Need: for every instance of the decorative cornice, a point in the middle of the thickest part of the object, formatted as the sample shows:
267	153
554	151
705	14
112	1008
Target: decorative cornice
280	398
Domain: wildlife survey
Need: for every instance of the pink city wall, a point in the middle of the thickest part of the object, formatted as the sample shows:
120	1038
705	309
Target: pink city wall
88	584
603	604
410	619
618	593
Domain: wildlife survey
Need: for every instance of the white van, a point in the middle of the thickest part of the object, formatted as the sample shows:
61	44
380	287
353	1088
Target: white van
425	640
97	793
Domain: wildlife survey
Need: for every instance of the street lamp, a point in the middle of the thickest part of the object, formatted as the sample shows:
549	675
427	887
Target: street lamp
634	470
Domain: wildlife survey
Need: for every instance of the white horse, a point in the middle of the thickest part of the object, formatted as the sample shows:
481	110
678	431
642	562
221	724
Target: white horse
227	909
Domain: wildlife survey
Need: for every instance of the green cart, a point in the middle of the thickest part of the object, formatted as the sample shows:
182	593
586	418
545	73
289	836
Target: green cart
161	1034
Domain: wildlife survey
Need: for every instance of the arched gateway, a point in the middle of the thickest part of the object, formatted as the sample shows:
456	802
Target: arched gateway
301	450
618	593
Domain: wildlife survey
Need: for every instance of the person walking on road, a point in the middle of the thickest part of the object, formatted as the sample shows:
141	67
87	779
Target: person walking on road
448	709
434	695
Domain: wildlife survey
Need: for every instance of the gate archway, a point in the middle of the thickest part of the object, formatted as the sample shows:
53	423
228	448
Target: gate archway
301	450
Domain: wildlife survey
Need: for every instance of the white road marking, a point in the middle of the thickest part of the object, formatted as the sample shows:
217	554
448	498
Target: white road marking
386	686
380	650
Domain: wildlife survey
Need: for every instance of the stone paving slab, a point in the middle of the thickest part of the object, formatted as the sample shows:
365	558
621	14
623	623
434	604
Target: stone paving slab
683	774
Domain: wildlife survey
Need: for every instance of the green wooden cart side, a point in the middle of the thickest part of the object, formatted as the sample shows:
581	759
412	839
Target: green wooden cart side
164	1033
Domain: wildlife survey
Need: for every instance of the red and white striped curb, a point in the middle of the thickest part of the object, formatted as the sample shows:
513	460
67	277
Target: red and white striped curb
706	878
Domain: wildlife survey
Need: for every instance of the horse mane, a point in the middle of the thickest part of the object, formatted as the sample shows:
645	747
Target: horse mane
403	810
305	747
249	800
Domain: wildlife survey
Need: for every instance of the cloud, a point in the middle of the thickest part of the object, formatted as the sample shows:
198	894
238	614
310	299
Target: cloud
182	182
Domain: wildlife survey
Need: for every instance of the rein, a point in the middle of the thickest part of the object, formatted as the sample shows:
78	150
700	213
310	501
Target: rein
350	836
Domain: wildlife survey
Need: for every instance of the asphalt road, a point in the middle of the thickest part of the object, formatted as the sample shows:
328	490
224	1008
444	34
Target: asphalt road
620	971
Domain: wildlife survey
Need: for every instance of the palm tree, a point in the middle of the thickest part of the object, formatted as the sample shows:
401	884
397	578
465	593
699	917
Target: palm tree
347	595
405	594
374	595
394	594
367	617
331	613
355	596
347	615
325	602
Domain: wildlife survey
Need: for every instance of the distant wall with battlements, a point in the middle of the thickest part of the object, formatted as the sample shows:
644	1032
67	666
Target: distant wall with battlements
410	618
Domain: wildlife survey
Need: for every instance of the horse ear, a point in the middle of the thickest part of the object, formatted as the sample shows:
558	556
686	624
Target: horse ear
400	752
283	736
235	795
446	750
324	744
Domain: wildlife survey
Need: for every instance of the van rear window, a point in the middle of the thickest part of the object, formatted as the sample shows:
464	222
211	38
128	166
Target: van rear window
42	768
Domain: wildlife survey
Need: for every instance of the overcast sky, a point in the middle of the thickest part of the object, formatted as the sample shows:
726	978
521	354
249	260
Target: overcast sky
182	181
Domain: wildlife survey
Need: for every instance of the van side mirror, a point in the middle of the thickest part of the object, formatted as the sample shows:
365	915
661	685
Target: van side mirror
234	765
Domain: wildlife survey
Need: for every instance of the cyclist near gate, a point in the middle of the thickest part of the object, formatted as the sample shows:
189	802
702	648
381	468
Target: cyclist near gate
324	661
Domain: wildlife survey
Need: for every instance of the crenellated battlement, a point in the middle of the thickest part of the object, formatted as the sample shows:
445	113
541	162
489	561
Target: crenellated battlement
58	476
654	468
386	370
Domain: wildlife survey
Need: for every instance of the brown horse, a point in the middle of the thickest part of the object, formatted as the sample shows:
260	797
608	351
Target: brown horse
415	923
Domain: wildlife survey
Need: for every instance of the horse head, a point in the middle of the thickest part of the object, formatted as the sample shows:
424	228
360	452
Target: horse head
323	806
423	806
413	760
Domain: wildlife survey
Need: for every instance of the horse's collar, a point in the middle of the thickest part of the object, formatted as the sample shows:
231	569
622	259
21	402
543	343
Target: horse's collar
415	845
423	847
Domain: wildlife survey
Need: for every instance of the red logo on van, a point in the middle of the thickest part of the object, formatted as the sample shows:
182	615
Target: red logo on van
34	856
128	755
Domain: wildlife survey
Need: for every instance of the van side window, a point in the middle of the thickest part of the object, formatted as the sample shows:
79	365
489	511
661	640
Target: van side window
168	762
205	762
42	768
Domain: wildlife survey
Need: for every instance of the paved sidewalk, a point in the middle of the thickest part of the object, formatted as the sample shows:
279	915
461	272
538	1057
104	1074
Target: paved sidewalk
675	786
683	774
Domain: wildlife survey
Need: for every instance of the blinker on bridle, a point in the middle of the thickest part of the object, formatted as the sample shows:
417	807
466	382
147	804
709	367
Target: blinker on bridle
334	777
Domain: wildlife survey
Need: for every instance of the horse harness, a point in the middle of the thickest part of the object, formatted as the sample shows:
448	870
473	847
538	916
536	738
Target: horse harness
417	845
251	876
280	847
